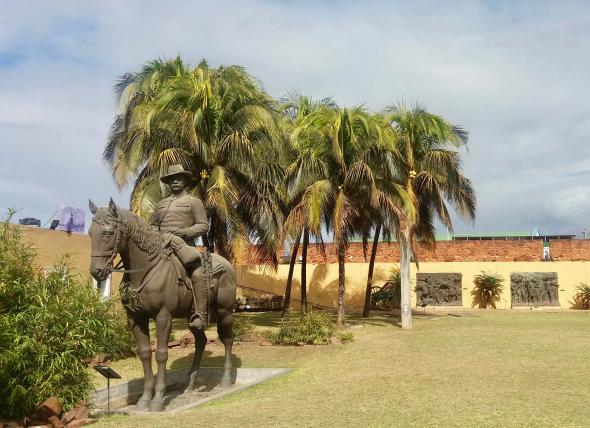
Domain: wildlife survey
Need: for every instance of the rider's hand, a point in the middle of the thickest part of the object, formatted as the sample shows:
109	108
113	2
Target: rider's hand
181	233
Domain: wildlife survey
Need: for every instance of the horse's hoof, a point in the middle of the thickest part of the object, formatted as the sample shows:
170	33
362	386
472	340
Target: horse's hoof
192	382
225	382
156	405
142	405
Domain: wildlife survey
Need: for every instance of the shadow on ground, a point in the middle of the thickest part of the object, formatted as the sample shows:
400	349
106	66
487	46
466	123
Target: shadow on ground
208	360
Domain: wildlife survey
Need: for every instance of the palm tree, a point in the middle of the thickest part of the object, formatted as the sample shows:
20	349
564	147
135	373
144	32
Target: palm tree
393	201
340	151
124	146
432	178
296	109
221	124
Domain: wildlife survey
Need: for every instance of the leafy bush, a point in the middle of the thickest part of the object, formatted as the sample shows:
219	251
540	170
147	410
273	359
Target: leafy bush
582	297
242	325
389	296
345	336
487	290
50	322
314	328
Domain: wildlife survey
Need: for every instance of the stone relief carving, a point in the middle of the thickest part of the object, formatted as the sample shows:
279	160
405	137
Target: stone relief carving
534	289
438	289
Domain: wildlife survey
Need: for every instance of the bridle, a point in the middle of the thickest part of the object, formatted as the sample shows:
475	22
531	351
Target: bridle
112	253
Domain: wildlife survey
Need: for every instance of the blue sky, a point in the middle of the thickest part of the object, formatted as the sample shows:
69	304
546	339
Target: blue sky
514	74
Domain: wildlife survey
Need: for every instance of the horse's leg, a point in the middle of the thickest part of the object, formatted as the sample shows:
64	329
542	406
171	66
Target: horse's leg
141	332
200	343
224	329
163	328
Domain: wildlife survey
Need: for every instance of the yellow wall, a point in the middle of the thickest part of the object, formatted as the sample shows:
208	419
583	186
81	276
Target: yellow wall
51	245
323	278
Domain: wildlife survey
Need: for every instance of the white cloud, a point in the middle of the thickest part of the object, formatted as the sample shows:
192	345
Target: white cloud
515	75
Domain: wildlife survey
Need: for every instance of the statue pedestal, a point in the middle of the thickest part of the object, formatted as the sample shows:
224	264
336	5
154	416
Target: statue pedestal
123	396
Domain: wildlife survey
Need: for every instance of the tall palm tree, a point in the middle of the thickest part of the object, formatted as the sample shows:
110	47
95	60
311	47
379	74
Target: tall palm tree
222	125
383	219
296	109
124	146
432	178
340	164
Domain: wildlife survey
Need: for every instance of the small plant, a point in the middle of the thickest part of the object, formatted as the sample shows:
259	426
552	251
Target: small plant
314	328
345	336
389	296
488	289
242	325
582	297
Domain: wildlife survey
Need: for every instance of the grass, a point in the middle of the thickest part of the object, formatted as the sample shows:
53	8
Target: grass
495	368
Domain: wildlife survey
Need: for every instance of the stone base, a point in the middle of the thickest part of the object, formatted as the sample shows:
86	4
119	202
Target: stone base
123	396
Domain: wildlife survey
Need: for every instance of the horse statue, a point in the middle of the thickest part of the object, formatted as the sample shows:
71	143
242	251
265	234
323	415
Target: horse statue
154	285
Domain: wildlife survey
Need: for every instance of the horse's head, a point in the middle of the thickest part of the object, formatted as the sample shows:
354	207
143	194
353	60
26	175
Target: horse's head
105	238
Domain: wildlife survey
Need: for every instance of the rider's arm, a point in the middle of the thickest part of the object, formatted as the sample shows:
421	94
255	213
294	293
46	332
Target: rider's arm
201	224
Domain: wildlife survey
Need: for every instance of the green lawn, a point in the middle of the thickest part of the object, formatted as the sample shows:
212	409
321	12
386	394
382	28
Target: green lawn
484	368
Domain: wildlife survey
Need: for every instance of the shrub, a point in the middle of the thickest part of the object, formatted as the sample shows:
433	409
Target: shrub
345	336
582	297
50	322
242	325
389	296
487	290
314	328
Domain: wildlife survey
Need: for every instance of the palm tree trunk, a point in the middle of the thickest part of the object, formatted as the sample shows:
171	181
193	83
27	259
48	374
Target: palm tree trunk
304	271
341	289
404	264
367	307
287	298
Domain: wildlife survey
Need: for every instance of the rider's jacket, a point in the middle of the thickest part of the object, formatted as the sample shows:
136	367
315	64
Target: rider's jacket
181	212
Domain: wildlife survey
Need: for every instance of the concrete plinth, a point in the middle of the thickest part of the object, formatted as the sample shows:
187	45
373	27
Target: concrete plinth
123	396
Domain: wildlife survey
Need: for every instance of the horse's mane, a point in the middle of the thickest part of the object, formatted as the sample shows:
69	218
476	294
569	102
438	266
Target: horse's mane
140	232
136	229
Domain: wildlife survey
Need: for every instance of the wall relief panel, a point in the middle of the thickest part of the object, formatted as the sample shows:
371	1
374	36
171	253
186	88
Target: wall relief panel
438	289
534	289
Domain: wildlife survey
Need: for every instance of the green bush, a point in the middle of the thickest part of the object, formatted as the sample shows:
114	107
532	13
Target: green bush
242	325
50	322
488	289
389	296
345	336
314	328
582	297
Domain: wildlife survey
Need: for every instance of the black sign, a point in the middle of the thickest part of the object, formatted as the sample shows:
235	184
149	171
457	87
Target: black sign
107	372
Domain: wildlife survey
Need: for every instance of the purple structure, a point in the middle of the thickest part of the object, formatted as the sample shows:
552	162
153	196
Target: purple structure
71	220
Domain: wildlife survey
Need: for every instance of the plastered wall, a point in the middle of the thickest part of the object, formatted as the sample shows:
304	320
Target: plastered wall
572	266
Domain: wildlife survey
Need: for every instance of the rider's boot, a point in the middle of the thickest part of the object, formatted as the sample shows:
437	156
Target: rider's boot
198	318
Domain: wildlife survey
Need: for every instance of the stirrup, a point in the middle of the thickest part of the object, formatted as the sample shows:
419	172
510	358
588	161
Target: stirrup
196	321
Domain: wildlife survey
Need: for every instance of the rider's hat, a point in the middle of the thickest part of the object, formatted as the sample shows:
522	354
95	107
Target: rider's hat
175	170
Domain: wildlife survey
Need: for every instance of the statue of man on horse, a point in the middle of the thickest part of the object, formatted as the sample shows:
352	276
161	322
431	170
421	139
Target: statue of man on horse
184	217
150	255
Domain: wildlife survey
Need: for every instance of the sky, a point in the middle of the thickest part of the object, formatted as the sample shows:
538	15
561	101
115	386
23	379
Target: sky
516	75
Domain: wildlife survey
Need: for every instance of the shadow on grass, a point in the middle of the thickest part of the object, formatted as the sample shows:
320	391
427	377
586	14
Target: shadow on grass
379	320
208	360
385	318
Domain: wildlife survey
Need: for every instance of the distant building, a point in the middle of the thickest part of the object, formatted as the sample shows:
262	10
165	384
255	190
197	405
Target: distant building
29	221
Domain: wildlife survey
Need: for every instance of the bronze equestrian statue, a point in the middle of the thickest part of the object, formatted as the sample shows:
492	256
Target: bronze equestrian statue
184	216
160	290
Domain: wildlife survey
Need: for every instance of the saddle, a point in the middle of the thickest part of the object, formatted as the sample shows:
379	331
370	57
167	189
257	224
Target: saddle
184	273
